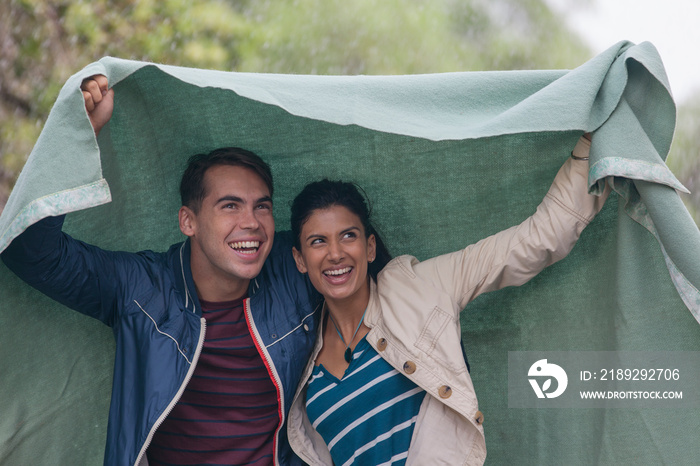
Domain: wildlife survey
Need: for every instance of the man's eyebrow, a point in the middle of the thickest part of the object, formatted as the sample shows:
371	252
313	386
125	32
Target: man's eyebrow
230	198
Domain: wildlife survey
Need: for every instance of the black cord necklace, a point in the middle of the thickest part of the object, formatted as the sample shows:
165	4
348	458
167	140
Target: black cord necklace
348	351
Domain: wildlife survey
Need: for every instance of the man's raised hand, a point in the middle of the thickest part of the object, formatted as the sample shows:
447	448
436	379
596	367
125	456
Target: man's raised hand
99	100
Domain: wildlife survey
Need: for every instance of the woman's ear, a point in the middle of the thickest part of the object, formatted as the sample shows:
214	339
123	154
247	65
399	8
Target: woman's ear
371	248
301	266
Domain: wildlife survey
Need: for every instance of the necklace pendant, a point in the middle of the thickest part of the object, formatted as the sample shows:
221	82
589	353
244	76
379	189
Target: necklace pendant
348	355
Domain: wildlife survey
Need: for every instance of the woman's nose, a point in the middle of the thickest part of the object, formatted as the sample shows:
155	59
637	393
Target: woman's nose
335	251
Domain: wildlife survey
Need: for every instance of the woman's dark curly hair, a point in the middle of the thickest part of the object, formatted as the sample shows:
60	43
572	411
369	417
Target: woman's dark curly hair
326	193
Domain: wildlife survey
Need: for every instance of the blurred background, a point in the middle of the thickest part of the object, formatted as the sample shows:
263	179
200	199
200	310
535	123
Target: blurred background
43	42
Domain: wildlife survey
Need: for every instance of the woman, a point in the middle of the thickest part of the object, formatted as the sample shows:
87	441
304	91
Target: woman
387	382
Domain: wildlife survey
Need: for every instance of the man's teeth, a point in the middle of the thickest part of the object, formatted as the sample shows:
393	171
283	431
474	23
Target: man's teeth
245	245
338	272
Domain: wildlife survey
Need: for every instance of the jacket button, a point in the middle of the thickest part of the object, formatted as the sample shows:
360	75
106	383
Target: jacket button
381	344
274	335
445	391
479	417
409	367
306	327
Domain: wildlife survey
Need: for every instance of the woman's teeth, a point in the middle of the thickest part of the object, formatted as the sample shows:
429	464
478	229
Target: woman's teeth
338	272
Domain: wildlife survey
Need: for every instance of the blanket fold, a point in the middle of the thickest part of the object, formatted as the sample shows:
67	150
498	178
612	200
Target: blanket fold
446	159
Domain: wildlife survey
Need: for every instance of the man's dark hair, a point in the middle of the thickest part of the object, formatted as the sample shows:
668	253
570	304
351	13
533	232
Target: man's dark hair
192	188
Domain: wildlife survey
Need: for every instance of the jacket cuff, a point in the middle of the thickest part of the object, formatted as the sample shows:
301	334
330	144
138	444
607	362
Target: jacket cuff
570	186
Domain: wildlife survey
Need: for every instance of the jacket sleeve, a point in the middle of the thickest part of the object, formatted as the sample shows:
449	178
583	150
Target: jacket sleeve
513	256
78	275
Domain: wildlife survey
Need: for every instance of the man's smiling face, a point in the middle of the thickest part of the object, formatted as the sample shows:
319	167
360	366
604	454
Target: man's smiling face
231	233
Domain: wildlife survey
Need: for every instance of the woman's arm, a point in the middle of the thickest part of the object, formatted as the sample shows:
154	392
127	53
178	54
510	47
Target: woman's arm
513	256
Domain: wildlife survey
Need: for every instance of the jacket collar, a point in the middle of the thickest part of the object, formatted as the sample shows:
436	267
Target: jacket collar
184	282
373	315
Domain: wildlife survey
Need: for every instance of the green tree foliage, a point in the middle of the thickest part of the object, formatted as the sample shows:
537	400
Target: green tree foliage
408	37
684	159
45	41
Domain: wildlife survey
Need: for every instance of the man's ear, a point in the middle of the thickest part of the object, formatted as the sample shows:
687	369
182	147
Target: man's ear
301	266
186	219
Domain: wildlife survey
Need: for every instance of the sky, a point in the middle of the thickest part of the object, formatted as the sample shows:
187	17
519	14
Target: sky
673	26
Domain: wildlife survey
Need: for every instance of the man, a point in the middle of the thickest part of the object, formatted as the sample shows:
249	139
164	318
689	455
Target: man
211	336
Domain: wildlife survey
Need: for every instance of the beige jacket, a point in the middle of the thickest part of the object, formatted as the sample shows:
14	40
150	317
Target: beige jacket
413	316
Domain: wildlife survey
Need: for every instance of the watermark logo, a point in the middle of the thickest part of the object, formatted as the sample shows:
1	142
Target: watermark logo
542	370
603	379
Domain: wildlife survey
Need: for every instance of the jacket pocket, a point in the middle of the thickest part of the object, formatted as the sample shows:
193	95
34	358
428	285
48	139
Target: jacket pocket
440	339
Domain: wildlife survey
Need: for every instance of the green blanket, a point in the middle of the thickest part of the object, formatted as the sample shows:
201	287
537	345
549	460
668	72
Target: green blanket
446	159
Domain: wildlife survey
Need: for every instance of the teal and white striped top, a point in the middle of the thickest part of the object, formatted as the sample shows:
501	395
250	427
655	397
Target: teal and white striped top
368	416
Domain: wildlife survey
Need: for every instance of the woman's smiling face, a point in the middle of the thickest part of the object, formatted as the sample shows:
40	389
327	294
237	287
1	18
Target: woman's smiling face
335	252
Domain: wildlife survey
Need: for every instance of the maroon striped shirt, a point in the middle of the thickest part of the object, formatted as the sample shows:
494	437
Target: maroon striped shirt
229	412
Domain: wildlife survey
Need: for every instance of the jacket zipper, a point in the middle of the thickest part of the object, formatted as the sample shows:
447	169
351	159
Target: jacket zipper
271	371
178	395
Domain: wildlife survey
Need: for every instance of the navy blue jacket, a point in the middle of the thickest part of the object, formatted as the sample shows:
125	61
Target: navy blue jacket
150	302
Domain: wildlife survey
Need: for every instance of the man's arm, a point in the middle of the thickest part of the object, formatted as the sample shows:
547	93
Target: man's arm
80	276
69	271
